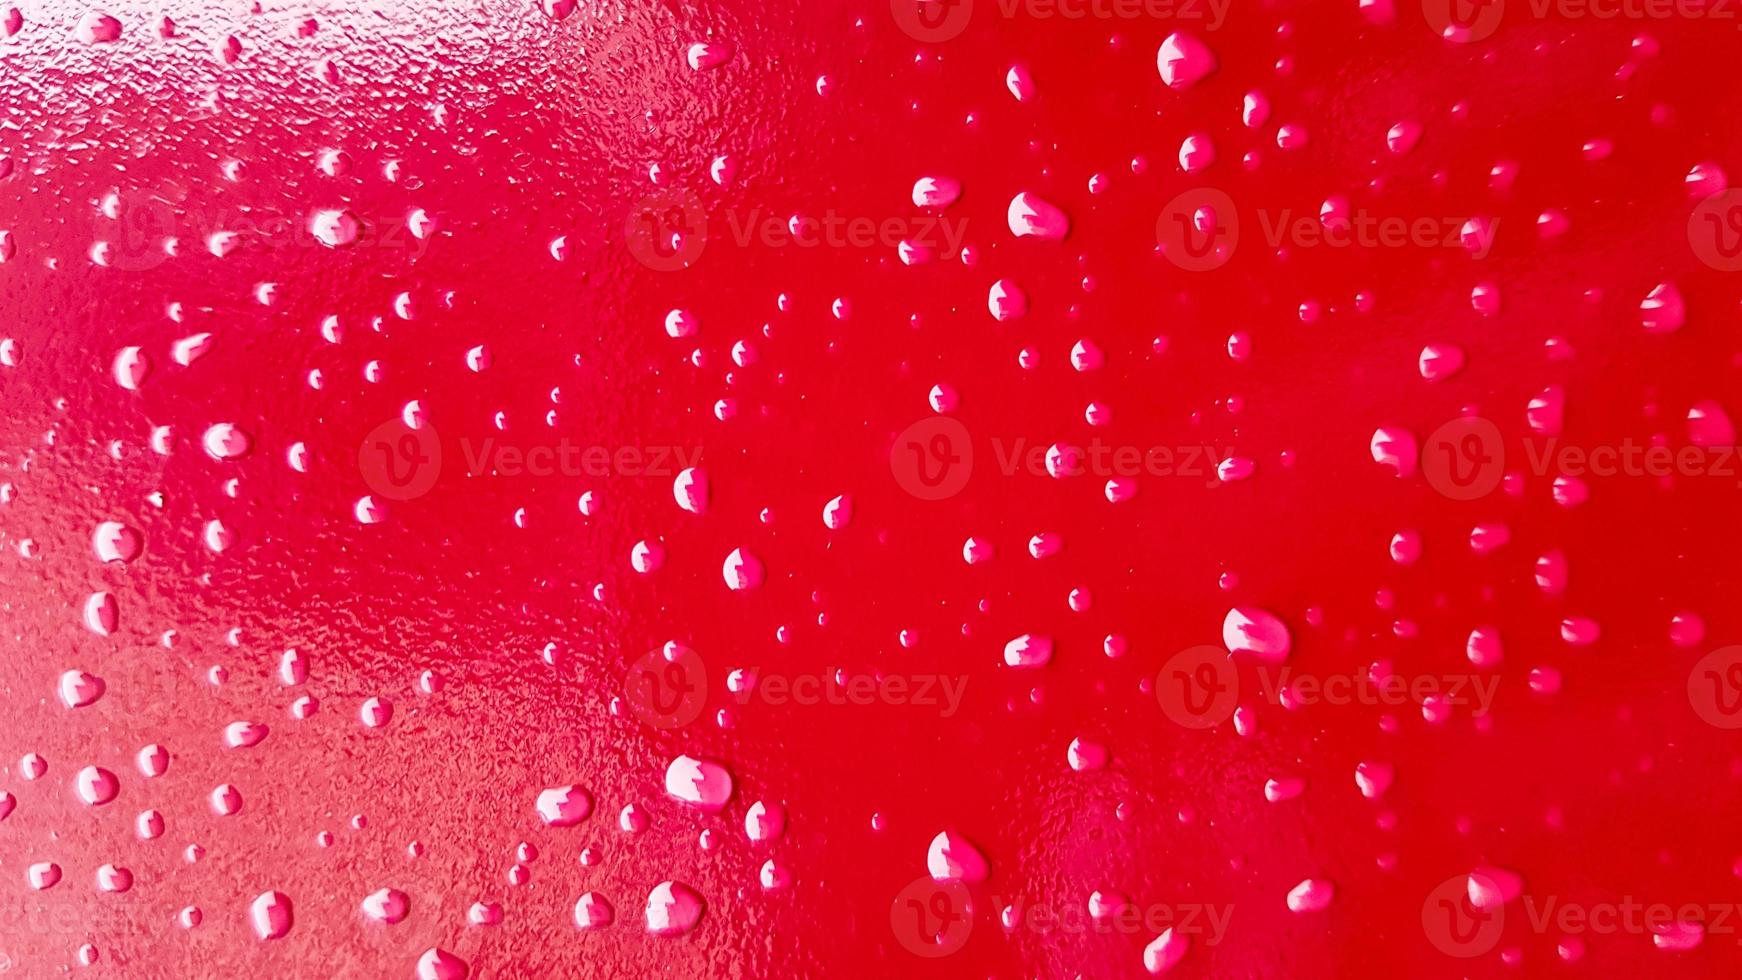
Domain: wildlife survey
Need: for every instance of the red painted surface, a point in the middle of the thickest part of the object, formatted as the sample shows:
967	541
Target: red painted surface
503	169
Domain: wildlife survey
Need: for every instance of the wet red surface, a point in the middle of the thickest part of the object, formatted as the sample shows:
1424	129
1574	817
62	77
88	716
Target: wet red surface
533	488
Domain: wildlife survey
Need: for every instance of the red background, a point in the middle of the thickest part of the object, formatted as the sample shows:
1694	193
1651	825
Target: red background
510	129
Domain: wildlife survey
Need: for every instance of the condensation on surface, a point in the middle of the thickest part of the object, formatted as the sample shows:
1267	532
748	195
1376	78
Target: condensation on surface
558	489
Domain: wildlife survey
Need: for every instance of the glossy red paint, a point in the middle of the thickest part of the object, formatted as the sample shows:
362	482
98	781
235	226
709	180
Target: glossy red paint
476	285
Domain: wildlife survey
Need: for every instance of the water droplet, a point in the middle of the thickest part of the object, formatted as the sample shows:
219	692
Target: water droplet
116	542
672	909
1311	895
936	192
389	905
1250	630
271	915
95	28
1029	216
1662	310
1183	61
592	911
564	806
97	786
1028	650
698	783
1165	951
79	689
742	570
439	964
951	858
708	55
227	440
